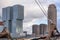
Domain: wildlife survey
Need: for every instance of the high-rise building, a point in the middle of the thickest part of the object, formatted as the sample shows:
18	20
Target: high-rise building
18	16
35	30
7	17
12	17
39	30
43	29
52	17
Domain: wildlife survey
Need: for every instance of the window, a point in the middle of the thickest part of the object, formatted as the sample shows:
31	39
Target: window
10	25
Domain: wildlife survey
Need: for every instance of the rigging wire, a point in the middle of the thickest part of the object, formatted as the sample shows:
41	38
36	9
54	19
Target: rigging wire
40	6
43	10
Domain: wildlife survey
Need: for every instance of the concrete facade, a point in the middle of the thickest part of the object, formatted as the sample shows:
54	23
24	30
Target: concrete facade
39	30
52	14
43	29
35	30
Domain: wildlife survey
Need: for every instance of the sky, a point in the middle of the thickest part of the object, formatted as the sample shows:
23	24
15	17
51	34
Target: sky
32	12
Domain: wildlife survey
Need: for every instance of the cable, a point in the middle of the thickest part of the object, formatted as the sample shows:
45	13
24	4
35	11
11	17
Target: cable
40	7
43	11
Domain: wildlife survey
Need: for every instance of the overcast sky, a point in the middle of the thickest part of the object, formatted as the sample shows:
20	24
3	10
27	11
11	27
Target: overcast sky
32	13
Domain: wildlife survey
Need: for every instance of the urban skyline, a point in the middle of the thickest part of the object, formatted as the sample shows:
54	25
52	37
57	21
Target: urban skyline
33	19
42	31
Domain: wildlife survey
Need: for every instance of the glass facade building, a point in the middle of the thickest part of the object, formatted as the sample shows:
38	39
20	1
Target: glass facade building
12	17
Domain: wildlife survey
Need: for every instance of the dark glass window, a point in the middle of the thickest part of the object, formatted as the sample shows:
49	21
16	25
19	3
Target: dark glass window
10	25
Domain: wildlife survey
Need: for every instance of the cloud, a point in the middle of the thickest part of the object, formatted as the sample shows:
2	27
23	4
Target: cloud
32	13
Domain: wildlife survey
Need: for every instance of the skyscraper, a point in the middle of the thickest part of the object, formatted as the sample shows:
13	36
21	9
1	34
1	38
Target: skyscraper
18	16
43	29
39	30
12	17
35	30
52	17
7	17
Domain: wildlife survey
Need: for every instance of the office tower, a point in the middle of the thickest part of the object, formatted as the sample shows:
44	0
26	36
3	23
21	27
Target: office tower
43	29
35	30
18	16
7	17
52	16
12	17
